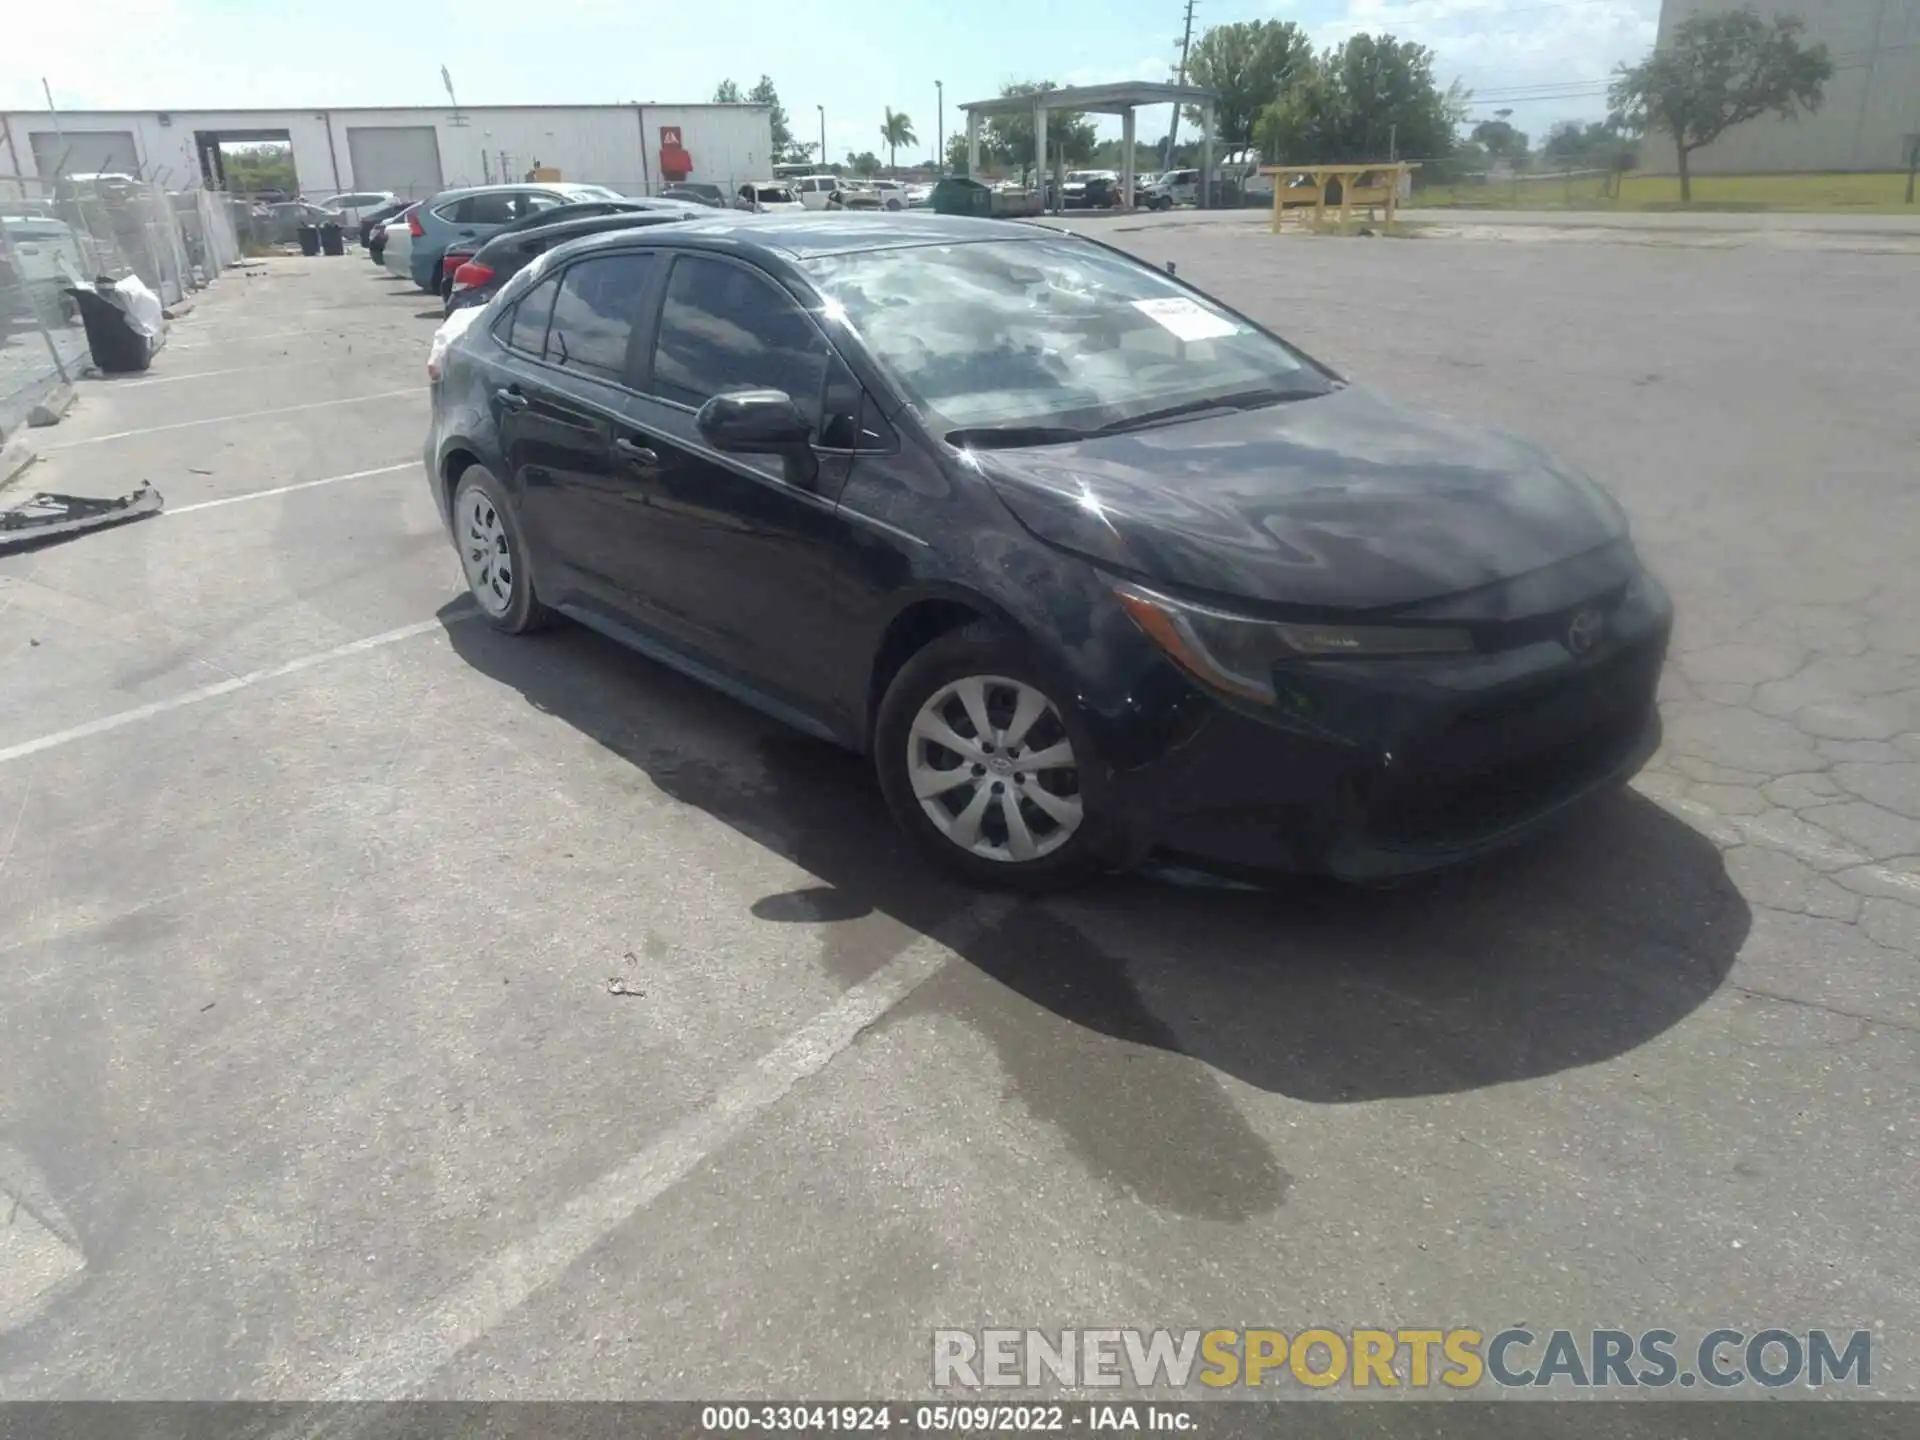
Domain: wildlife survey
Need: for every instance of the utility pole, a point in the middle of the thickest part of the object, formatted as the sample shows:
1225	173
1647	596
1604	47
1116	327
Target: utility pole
1173	130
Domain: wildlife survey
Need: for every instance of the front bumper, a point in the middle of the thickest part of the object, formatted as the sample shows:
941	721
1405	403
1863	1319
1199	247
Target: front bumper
1374	770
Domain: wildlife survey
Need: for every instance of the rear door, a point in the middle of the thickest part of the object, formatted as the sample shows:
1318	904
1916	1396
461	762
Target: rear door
568	342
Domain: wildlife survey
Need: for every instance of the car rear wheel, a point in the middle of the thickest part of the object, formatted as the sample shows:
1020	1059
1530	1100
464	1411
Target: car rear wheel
984	766
493	553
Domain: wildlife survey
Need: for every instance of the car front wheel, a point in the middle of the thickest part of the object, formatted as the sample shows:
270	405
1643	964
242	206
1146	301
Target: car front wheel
493	553
984	766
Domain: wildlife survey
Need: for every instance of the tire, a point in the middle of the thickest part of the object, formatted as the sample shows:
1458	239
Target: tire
893	205
485	531
1065	850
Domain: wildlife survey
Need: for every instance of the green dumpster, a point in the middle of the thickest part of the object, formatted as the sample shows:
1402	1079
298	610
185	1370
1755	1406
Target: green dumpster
956	196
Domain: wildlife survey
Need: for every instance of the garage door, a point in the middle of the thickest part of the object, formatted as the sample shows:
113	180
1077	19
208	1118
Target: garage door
402	158
84	152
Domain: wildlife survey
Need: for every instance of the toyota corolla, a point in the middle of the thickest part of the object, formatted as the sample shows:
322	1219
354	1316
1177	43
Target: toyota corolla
1089	564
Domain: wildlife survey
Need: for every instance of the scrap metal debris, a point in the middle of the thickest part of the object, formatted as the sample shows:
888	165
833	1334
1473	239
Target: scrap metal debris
46	517
620	985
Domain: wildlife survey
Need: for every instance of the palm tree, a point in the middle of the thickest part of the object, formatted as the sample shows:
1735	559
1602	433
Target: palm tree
897	131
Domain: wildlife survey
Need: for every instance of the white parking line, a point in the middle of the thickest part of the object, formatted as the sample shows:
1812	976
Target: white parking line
288	489
399	1364
225	419
211	374
125	718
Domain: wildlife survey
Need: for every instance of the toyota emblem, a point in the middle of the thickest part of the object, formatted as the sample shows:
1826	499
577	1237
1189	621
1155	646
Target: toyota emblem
1583	633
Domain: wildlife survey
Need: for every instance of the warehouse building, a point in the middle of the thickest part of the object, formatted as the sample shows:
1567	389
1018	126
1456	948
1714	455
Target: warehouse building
1872	102
635	149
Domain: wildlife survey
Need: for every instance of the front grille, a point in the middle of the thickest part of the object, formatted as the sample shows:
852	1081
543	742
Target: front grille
1498	764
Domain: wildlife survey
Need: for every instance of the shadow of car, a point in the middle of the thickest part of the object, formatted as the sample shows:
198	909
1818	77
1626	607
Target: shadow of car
1591	943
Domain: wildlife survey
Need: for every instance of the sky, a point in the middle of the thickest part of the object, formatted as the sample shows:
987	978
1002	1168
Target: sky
1545	61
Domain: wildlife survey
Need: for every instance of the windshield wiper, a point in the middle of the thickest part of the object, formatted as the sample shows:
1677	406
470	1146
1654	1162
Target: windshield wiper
1012	437
1244	400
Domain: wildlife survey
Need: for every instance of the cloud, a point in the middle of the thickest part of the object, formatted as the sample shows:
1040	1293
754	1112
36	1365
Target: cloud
1545	61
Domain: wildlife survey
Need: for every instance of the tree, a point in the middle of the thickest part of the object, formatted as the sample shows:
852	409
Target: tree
957	154
783	147
895	132
1501	140
1718	71
1009	138
1372	98
726	93
865	163
1247	65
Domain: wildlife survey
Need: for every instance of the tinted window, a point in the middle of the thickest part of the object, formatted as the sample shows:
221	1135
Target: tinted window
724	327
528	332
498	207
593	317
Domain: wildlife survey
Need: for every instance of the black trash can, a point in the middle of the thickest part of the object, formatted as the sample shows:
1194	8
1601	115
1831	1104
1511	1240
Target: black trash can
331	240
309	238
118	348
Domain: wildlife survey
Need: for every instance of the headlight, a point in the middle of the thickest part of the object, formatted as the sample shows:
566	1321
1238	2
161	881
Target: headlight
1237	654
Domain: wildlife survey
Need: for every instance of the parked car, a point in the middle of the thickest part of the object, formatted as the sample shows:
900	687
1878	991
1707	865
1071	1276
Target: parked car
396	245
767	197
919	197
891	193
43	249
356	205
461	251
381	216
697	192
1173	187
854	195
1203	596
814	191
476	212
479	279
1090	190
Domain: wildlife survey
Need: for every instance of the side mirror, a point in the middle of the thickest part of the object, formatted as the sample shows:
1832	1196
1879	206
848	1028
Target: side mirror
761	422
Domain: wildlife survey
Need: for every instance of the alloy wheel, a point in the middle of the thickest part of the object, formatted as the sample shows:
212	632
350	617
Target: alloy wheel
485	553
992	766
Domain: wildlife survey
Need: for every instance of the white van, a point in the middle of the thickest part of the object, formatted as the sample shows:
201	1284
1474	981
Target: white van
815	190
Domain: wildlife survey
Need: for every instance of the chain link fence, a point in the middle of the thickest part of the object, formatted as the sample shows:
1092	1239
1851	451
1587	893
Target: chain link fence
55	235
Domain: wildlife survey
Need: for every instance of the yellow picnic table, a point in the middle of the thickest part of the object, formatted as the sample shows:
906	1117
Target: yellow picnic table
1370	185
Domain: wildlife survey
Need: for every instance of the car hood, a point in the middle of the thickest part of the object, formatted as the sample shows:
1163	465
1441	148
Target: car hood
1346	501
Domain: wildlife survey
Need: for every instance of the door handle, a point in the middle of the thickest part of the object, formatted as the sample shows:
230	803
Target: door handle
636	452
511	398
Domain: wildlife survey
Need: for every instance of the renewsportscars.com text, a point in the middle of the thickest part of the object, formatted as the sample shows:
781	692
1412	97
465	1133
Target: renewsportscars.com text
1453	1358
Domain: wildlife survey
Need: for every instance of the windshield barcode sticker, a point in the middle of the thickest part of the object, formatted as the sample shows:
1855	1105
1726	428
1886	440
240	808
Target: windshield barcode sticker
1185	319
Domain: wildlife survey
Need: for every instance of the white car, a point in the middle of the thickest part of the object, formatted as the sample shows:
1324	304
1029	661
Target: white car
396	253
48	257
893	194
768	197
816	190
356	205
919	197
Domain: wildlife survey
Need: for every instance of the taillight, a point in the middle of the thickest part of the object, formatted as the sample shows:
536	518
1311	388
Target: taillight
414	227
472	275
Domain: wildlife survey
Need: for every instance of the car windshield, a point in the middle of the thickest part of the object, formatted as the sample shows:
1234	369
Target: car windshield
774	195
1021	334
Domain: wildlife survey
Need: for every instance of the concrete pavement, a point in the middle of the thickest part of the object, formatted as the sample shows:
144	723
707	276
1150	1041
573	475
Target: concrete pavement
312	891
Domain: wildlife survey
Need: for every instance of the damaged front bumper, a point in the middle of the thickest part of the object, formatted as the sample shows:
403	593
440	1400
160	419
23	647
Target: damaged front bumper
45	517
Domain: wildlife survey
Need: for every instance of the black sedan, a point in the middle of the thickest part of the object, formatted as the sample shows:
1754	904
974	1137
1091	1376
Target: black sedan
478	277
1089	564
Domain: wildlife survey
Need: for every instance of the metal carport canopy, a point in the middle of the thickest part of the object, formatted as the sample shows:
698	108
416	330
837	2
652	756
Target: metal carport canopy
1121	99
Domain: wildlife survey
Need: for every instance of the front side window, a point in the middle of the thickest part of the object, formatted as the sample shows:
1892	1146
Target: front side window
775	195
593	315
1055	333
724	327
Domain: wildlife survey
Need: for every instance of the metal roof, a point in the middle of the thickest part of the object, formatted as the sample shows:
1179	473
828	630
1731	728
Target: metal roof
1106	99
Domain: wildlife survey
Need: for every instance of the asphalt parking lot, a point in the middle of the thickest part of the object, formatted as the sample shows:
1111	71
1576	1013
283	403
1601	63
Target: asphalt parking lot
312	890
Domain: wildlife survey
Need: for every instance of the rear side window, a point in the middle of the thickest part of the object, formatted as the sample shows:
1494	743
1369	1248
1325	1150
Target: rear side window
723	327
527	330
496	208
594	314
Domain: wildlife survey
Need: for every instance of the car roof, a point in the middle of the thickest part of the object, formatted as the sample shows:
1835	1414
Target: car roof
563	230
552	187
823	232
